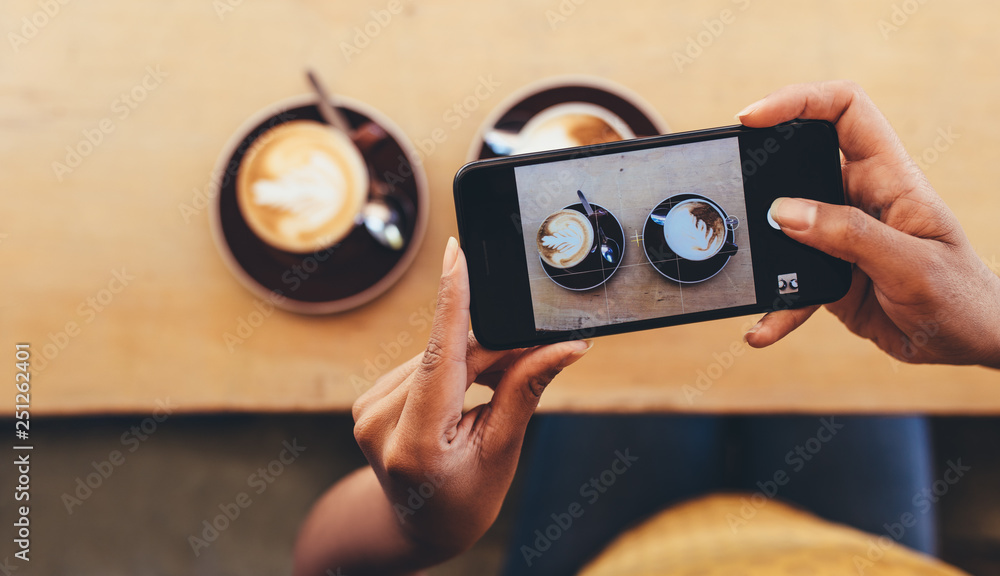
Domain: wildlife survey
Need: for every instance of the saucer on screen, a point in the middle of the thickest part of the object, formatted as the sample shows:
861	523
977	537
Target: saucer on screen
515	111
348	274
673	266
594	270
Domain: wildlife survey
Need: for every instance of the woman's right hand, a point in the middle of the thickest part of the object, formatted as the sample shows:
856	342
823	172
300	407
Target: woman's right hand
919	292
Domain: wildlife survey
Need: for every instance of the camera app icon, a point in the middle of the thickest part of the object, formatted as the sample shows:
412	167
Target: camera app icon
788	283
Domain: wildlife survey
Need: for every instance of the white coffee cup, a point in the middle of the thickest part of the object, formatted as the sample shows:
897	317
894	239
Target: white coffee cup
564	125
696	230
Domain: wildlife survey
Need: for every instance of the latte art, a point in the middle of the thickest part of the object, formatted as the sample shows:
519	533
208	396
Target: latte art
571	124
694	230
312	194
565	239
301	186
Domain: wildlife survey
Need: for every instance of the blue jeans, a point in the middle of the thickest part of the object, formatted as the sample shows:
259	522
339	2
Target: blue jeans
595	476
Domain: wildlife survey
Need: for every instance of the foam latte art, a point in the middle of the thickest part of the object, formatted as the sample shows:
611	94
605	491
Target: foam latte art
301	186
694	230
564	238
310	194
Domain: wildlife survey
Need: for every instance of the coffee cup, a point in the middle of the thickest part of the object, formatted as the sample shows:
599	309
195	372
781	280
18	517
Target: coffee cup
301	186
696	230
563	126
565	239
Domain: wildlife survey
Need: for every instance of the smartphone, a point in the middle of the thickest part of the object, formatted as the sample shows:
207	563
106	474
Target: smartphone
644	233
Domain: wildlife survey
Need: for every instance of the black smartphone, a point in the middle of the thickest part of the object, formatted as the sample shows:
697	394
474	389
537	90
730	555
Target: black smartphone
644	233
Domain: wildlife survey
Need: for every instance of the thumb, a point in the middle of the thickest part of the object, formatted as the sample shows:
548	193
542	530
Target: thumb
518	392
884	253
439	382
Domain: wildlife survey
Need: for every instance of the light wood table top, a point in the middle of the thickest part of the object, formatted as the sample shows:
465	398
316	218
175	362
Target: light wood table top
106	247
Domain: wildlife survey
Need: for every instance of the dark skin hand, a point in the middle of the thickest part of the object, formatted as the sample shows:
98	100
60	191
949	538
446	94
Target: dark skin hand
417	438
919	290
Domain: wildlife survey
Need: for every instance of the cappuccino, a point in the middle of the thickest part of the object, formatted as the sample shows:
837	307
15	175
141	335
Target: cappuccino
694	230
565	239
569	125
301	186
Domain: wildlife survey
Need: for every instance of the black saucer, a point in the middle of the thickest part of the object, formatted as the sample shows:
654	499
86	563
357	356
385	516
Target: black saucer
594	270
348	274
673	266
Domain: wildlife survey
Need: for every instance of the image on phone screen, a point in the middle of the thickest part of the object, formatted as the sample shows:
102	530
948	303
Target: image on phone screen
636	235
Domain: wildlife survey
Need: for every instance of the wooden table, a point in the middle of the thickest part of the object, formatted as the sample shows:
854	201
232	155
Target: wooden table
109	262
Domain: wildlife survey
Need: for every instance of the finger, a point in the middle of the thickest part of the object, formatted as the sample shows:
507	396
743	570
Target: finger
776	325
385	385
889	257
439	383
481	360
519	390
862	129
491	377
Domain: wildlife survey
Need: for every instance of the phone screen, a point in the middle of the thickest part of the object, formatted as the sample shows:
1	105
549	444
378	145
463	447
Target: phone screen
673	235
644	233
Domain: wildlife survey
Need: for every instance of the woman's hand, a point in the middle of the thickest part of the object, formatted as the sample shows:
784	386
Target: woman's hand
446	472
919	290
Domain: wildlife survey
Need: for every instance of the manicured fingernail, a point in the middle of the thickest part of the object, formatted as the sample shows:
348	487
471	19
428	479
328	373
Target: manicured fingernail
450	255
755	328
793	213
748	110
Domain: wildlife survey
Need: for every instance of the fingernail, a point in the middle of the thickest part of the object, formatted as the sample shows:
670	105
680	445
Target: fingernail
450	255
793	213
581	347
753	329
748	110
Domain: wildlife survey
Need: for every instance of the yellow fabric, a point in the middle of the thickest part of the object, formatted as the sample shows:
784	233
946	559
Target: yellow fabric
732	535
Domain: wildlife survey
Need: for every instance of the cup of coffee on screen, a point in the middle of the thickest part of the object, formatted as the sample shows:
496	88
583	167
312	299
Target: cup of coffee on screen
565	238
301	186
696	230
563	126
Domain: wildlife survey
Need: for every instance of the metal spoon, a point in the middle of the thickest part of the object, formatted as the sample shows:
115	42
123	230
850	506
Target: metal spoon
609	248
382	220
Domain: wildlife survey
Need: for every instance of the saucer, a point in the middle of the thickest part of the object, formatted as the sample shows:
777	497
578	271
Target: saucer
517	109
348	274
594	270
673	266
